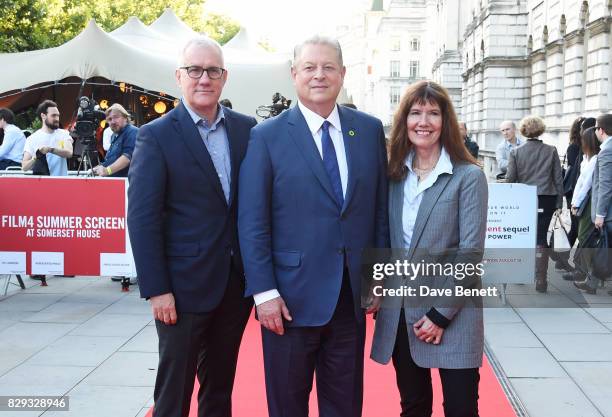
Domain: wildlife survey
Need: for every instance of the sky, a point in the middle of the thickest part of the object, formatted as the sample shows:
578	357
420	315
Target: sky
286	22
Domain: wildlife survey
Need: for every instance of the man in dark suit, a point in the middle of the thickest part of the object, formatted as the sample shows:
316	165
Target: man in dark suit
313	196
182	224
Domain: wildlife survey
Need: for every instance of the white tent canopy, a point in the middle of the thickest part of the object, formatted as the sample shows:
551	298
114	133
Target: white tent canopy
138	35
243	49
169	25
146	56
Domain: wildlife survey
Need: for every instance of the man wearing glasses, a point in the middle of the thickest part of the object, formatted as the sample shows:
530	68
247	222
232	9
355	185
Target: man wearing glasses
182	223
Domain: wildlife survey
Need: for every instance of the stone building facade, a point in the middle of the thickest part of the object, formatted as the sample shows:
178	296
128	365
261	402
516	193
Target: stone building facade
517	57
385	50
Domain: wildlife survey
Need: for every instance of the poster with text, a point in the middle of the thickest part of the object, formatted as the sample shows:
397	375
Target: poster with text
67	225
511	234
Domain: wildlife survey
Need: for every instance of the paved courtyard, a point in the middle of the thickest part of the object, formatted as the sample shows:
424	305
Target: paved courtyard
84	338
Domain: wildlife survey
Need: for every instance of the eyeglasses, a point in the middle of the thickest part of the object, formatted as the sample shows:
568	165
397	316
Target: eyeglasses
195	72
597	127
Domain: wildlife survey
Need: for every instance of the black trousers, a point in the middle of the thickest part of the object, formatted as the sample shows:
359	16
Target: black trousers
205	344
5	163
334	352
459	386
547	203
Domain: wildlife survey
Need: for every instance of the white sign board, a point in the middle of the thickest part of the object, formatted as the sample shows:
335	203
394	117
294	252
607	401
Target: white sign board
511	234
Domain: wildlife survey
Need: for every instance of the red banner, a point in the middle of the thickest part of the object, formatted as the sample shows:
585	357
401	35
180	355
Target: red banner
66	222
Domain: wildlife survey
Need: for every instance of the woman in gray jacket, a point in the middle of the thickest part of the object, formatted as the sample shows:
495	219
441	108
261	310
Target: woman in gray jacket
437	205
535	163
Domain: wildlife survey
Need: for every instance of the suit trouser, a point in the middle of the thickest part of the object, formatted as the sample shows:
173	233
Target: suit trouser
459	386
206	344
334	352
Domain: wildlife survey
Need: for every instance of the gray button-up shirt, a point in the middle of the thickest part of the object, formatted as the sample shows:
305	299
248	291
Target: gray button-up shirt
215	139
502	153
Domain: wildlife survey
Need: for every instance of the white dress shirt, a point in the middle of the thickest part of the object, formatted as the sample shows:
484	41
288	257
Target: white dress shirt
314	122
414	190
585	180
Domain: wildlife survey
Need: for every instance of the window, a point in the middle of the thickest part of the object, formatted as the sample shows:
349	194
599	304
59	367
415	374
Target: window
396	44
394	96
395	69
415	44
414	69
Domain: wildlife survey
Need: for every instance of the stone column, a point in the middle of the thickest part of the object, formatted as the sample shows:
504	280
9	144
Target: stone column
573	76
597	94
538	82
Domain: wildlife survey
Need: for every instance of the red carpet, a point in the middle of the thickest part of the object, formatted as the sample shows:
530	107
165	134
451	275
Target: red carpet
381	398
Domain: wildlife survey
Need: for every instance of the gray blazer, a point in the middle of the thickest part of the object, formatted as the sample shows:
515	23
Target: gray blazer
535	163
601	194
452	214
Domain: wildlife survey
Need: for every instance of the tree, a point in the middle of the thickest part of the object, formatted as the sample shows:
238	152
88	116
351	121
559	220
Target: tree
18	25
36	24
220	28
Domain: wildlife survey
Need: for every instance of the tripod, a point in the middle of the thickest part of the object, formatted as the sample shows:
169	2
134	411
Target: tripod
88	158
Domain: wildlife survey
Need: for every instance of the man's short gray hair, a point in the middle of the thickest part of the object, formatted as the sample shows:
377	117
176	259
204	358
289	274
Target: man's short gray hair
318	40
119	109
202	42
509	121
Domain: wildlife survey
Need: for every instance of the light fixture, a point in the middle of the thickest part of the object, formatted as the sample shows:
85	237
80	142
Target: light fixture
104	104
159	107
122	87
103	123
176	102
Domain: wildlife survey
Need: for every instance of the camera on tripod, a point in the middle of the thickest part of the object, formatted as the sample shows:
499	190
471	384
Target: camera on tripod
279	103
89	117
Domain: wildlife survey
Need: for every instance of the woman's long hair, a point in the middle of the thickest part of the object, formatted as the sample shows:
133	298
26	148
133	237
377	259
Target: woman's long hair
590	143
400	146
574	133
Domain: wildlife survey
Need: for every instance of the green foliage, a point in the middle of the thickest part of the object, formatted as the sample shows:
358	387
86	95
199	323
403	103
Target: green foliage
220	27
35	24
19	25
28	120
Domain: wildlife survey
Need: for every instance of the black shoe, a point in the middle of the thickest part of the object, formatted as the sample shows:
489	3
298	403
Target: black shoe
573	276
116	279
37	277
584	286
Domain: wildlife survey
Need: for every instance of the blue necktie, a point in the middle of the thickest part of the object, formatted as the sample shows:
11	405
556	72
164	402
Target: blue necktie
331	163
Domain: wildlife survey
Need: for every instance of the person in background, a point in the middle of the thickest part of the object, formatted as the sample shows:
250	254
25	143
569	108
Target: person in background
50	143
573	158
581	204
471	146
225	103
511	141
535	163
11	150
119	155
601	195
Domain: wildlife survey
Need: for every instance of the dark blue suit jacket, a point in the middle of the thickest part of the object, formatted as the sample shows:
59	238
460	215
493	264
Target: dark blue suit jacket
181	228
293	235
